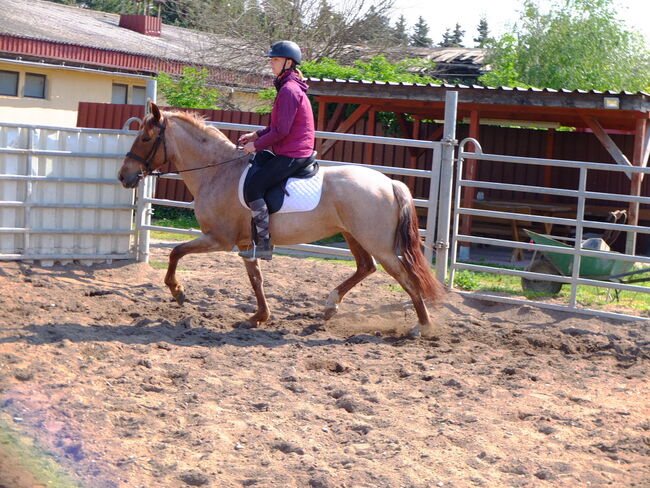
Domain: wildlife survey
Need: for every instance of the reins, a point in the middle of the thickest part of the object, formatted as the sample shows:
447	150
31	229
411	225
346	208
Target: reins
211	165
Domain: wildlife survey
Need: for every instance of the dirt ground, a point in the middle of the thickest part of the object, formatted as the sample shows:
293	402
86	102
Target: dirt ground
124	388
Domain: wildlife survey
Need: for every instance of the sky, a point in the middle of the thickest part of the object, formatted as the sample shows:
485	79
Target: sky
441	15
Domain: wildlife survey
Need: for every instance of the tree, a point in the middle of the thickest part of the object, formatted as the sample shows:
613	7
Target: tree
457	36
400	36
579	44
483	33
420	37
320	28
446	39
189	90
453	39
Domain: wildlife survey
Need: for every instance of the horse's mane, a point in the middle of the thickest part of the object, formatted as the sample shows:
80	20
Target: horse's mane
198	121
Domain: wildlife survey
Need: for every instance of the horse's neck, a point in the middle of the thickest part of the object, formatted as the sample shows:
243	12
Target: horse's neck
208	148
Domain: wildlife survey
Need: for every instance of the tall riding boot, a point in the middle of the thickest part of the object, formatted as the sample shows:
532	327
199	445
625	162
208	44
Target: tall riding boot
261	242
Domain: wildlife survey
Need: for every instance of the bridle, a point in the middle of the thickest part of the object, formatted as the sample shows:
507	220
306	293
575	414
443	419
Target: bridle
148	160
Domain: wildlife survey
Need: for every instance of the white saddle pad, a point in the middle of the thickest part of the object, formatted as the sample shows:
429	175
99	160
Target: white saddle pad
304	193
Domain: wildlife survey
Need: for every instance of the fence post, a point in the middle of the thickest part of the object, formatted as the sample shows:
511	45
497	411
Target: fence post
143	218
446	183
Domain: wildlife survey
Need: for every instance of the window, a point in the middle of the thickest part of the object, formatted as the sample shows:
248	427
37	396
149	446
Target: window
9	83
139	95
119	93
34	85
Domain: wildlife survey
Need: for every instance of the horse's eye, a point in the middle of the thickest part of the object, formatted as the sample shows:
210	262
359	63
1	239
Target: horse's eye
146	139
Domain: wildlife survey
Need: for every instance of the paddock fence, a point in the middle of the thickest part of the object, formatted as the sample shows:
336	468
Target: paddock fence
59	196
573	225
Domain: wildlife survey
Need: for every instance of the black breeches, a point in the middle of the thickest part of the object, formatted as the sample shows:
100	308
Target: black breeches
270	174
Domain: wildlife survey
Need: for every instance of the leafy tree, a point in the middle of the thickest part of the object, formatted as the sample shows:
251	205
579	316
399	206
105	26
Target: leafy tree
579	44
483	33
420	37
189	90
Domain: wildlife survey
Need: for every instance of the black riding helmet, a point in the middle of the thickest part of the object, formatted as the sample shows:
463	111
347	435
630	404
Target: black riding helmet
285	49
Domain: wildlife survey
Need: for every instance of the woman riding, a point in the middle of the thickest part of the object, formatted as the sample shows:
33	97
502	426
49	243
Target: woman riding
290	137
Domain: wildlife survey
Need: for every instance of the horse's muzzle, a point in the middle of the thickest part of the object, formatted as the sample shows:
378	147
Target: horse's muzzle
130	180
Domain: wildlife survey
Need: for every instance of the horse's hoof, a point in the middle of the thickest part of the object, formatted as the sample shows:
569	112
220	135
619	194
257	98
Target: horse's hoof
246	324
414	333
180	298
329	312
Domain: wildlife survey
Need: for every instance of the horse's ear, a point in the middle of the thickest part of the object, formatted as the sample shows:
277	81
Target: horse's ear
155	112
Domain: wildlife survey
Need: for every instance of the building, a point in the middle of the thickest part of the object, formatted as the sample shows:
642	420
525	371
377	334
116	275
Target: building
53	56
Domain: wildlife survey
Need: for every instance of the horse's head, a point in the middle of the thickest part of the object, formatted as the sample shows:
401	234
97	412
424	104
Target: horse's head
148	152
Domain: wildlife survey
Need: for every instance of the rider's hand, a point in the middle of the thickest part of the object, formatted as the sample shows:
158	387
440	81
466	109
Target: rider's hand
249	147
246	138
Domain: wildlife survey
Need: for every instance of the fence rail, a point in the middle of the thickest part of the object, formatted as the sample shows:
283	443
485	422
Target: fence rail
579	223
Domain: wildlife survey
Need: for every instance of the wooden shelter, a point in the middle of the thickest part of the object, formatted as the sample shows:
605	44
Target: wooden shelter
601	113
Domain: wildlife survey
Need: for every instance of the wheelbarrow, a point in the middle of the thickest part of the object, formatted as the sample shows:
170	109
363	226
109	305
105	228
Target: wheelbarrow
561	264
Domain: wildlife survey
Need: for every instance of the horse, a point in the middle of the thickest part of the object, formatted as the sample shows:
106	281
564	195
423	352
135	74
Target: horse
374	213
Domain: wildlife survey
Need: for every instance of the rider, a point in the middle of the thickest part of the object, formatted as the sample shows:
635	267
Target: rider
290	136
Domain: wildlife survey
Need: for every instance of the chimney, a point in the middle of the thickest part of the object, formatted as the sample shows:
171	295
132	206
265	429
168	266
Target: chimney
144	24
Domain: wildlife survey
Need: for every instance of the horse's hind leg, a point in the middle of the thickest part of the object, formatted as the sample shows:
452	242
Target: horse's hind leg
393	266
365	267
201	244
257	282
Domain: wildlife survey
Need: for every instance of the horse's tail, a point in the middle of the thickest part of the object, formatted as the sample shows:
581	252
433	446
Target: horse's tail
407	240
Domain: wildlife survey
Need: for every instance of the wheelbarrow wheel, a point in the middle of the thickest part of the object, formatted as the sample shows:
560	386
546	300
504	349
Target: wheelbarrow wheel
541	286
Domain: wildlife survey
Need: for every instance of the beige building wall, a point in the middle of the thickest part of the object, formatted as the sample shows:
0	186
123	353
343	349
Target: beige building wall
64	89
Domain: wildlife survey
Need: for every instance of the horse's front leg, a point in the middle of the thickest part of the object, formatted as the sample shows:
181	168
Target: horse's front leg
257	282
205	243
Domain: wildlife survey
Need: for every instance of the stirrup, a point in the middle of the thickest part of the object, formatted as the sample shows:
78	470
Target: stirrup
262	250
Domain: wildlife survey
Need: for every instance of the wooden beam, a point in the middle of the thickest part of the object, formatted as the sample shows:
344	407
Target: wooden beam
346	125
336	117
470	174
320	125
635	185
369	149
607	142
548	170
413	155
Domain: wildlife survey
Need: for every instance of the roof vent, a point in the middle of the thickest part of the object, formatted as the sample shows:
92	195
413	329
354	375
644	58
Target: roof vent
144	24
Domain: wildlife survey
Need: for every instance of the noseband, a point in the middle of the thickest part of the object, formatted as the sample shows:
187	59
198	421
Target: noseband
147	161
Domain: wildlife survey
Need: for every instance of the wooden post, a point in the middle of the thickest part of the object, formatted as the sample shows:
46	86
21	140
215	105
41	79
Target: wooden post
548	170
635	185
320	124
413	155
470	174
369	146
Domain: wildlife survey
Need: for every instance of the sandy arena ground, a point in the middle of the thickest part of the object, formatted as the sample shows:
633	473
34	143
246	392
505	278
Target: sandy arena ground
124	388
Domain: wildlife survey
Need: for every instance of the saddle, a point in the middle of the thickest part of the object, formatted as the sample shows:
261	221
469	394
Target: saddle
274	196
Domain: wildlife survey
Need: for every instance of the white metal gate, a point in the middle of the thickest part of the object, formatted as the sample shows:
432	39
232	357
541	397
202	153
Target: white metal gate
60	199
580	195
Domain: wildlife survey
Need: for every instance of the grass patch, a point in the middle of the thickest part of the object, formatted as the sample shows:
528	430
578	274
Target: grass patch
164	265
26	459
587	296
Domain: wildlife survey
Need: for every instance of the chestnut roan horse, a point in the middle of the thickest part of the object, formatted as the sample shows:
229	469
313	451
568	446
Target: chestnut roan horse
374	213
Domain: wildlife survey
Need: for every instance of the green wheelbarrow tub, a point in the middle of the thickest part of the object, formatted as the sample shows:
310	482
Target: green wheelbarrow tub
590	266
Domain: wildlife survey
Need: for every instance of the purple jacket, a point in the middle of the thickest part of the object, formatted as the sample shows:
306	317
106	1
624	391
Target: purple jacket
291	131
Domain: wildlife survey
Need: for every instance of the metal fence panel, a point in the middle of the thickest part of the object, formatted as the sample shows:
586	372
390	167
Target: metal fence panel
59	195
577	222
